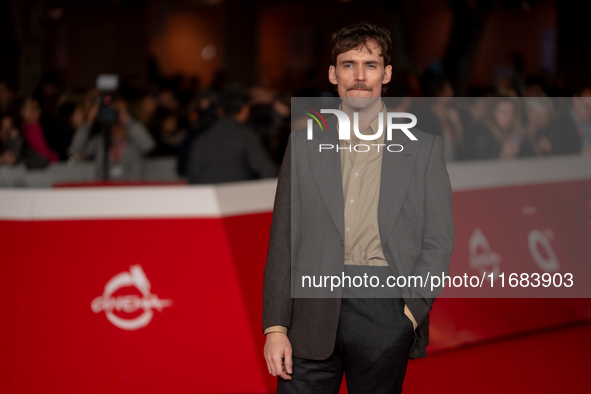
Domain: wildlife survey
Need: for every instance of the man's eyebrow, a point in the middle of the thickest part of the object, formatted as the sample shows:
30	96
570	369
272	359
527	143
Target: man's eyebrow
347	61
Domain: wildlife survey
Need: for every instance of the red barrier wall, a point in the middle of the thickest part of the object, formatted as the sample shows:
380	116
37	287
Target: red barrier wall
201	278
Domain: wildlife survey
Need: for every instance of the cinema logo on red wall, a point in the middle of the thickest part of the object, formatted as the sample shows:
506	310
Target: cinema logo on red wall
122	310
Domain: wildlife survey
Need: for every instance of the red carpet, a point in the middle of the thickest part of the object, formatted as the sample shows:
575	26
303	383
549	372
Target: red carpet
551	361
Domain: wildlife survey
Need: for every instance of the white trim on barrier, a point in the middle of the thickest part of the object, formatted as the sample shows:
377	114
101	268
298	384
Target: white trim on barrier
241	198
485	174
108	203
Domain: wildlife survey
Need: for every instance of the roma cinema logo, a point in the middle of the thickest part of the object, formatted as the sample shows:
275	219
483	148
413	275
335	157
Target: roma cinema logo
129	304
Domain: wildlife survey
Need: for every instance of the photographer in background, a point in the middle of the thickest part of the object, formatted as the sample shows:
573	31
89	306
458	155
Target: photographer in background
130	142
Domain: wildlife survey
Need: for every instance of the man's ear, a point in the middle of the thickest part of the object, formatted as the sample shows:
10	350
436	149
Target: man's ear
332	75
387	75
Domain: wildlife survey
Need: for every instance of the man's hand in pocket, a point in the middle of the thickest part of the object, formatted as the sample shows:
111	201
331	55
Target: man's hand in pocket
410	316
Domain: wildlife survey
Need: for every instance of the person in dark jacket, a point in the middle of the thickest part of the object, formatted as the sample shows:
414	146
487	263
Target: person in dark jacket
229	151
565	135
499	136
11	141
540	111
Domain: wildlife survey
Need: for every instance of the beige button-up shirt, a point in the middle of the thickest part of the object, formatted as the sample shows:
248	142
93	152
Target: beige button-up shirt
361	170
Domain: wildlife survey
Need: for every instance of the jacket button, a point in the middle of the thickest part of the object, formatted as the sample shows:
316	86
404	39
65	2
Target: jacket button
342	243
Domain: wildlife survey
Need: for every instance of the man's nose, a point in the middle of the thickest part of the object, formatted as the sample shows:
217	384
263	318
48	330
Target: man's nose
360	75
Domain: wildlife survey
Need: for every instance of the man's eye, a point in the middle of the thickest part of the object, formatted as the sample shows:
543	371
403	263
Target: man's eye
348	65
372	66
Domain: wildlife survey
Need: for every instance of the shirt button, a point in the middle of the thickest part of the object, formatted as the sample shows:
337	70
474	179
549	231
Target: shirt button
351	201
347	228
356	174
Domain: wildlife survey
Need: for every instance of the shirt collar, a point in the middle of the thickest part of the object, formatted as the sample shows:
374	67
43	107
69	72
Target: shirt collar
373	125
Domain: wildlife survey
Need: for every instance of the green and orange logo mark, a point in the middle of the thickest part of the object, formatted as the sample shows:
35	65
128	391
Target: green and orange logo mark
316	118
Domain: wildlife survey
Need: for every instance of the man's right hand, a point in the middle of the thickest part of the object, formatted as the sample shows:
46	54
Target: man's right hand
278	355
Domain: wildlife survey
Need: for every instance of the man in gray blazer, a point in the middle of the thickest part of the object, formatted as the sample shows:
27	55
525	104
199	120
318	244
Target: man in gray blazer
378	212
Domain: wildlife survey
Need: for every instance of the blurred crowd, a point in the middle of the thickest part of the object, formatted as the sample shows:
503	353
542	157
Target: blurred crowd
231	133
504	122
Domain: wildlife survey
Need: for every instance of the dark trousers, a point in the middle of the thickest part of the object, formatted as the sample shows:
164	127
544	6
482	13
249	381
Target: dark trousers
373	339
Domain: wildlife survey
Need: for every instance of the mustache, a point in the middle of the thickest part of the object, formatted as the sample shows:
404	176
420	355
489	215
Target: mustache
359	85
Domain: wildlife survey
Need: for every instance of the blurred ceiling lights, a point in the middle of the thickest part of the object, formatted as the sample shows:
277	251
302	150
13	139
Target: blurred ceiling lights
208	52
55	13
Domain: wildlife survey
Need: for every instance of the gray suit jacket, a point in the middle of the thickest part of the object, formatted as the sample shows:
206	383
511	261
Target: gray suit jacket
415	225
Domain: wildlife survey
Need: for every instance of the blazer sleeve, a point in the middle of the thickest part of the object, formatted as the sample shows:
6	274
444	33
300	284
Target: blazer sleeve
277	301
438	233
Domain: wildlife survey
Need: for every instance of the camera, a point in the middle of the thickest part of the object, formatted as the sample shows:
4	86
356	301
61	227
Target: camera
107	84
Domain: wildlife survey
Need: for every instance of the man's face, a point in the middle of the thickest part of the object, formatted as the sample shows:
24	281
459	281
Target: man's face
359	72
504	114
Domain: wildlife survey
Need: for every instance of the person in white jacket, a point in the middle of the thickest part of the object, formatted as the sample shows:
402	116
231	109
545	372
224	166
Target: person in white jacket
130	142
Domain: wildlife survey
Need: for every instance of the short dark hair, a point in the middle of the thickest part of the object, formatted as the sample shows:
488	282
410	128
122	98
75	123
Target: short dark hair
358	33
232	98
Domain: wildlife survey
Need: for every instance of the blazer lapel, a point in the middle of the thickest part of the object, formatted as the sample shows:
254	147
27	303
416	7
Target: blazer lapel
397	169
326	171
